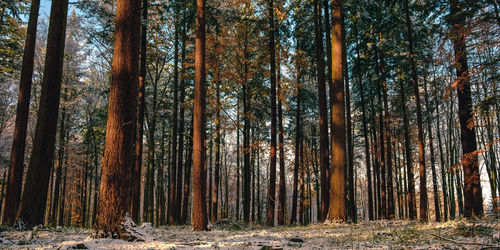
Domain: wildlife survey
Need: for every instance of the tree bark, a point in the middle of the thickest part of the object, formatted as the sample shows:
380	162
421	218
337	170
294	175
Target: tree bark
200	218
323	113
33	201
282	187
172	210
136	182
365	134
271	198
473	205
412	204
16	167
337	178
298	137
118	161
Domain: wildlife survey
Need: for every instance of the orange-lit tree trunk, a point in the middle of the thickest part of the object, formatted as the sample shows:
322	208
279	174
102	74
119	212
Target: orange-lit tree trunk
118	160
200	219
16	167
34	197
472	186
271	197
136	181
323	113
424	214
337	178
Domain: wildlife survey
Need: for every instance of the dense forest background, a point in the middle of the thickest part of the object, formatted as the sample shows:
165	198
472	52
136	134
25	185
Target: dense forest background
402	86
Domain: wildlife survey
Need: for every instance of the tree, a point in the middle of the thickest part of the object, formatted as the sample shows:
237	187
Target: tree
337	178
421	149
16	167
200	219
323	113
472	187
33	201
136	185
271	197
117	164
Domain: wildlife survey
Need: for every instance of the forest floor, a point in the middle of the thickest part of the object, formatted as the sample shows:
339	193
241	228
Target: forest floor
484	234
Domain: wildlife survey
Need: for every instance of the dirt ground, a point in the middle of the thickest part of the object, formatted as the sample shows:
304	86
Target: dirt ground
482	234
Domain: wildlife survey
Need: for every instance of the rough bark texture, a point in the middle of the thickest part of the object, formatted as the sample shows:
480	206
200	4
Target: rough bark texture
200	219
271	197
33	201
118	161
473	205
337	178
16	167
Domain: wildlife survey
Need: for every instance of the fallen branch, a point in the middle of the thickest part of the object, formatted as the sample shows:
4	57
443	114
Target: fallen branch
465	243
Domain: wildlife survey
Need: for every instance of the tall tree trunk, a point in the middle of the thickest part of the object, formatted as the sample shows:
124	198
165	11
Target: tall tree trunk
388	140
200	218
60	160
282	187
472	189
33	201
351	194
237	200
382	137
365	134
114	201
437	206
323	113
298	137
301	184
172	210
337	178
136	181
424	214
187	175
412	204
215	197
60	212
271	198
246	139
16	167
442	163
180	150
